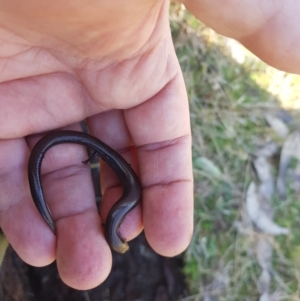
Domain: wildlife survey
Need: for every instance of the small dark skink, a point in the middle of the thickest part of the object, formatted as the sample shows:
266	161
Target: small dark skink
128	178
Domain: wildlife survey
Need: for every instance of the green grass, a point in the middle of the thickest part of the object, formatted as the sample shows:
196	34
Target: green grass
228	102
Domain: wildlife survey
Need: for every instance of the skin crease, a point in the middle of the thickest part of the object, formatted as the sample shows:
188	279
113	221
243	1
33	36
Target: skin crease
64	61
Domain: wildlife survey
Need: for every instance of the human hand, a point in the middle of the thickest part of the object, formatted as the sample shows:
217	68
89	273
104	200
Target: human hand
61	62
270	29
115	65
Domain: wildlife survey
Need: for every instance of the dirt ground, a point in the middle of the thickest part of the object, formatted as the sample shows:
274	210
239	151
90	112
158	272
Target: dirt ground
138	275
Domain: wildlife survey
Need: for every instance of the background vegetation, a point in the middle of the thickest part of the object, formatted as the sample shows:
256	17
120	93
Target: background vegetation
230	93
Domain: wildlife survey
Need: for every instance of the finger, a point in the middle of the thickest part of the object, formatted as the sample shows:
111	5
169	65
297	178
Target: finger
83	255
110	127
267	28
160	128
25	229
